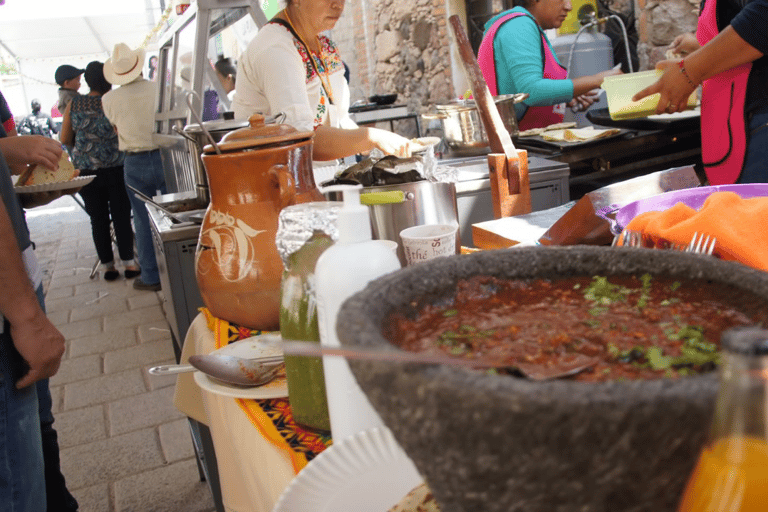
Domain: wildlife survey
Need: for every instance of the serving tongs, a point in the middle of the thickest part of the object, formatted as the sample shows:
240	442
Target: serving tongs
143	197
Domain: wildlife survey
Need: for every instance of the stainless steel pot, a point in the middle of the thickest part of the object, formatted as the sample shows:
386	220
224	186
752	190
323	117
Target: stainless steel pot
462	127
197	140
396	207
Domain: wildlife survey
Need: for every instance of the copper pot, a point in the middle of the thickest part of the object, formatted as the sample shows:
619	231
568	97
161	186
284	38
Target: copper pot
261	169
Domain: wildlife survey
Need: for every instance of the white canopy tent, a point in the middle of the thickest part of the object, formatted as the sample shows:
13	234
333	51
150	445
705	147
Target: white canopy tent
37	36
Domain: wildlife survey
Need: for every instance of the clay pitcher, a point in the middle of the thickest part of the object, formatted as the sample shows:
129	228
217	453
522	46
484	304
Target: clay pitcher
261	169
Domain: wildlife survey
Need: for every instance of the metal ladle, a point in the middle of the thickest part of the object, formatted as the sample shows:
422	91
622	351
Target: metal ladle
257	371
198	119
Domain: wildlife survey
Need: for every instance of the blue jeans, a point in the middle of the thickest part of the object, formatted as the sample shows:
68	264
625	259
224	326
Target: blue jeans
22	474
756	161
144	172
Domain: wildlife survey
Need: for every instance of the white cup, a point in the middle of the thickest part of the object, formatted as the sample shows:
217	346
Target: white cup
423	243
389	244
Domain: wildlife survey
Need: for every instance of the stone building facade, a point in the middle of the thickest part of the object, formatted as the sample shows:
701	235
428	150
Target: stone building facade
398	46
658	23
404	46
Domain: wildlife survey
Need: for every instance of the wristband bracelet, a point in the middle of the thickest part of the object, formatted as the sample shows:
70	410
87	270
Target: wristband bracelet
685	73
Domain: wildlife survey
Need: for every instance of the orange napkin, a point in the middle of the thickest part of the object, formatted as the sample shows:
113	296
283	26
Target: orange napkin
738	224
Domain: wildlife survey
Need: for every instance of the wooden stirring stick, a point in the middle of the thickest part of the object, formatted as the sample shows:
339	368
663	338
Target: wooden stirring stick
510	186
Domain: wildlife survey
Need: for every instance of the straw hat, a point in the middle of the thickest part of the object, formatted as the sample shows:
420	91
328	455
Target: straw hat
124	66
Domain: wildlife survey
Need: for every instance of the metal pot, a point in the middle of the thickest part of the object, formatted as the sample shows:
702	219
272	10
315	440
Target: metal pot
396	207
462	127
197	140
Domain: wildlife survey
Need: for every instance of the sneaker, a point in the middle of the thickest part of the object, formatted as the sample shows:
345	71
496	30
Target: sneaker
138	284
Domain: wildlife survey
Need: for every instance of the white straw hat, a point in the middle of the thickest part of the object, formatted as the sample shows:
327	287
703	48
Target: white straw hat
124	66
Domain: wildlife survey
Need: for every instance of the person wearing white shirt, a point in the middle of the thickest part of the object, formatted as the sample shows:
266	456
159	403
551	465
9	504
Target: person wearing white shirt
290	67
131	108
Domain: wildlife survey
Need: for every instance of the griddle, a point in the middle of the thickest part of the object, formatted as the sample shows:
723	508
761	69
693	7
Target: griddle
538	142
602	117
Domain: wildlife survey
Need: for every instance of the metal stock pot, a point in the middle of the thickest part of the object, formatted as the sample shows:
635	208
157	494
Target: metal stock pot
462	127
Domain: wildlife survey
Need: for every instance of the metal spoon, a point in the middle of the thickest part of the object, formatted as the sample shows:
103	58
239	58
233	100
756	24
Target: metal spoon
226	368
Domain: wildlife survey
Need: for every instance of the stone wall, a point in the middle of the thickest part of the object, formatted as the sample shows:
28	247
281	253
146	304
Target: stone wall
397	46
658	23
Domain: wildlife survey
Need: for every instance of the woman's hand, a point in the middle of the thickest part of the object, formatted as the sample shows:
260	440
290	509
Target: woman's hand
584	84
673	87
24	150
584	101
684	44
390	143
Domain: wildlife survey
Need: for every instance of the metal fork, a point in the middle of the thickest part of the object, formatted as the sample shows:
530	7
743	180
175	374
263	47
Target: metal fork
702	244
629	239
699	244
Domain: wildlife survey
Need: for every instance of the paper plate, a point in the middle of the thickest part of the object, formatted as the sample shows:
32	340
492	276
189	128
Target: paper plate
366	472
77	182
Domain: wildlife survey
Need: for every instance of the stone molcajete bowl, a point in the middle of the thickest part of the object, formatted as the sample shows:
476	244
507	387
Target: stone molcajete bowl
497	443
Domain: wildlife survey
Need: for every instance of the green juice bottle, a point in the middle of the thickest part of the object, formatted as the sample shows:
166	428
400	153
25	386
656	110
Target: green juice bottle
305	231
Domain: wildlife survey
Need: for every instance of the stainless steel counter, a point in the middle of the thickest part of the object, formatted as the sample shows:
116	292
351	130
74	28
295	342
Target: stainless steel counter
175	247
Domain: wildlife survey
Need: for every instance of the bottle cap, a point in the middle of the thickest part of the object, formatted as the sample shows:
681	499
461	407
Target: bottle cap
354	218
747	341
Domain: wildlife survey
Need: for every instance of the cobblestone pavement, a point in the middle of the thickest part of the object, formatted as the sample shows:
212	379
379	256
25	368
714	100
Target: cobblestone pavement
124	446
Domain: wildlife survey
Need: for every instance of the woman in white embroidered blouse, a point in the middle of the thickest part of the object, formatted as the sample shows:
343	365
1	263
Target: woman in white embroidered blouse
289	67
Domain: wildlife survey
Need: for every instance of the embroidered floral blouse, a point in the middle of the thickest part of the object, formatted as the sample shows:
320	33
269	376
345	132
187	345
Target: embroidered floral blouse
275	75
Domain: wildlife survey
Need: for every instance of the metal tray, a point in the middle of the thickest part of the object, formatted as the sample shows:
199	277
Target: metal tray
537	141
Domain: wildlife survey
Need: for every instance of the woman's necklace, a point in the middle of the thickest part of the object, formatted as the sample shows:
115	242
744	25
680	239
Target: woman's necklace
324	80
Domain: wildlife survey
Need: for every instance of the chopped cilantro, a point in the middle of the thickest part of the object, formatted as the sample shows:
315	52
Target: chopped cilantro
601	292
674	286
450	312
657	359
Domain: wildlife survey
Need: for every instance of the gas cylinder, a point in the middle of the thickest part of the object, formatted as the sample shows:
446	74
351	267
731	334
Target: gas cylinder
590	52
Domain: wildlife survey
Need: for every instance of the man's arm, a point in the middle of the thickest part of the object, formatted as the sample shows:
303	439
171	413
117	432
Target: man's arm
34	336
30	150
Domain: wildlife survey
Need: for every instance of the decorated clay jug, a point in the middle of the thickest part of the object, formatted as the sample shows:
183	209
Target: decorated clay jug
260	170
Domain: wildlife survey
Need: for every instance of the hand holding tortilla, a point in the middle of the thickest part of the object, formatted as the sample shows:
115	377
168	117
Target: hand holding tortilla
682	45
20	152
41	174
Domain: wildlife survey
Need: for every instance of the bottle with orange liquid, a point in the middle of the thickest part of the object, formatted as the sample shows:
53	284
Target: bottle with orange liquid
731	474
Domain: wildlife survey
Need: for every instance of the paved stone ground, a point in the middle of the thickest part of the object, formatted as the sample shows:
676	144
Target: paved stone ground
124	447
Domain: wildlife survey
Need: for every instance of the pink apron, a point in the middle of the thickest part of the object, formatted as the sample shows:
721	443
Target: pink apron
535	117
723	124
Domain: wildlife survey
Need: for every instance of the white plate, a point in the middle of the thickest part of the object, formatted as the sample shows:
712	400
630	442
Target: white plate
255	346
366	472
76	182
696	112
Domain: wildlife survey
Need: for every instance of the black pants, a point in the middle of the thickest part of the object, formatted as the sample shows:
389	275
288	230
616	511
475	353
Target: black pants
106	200
57	495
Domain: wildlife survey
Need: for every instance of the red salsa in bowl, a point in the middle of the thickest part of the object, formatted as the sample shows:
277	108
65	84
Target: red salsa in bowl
644	327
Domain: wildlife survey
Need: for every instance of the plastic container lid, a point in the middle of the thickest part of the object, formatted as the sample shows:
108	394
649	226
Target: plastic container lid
620	89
